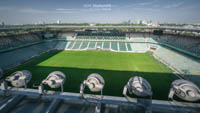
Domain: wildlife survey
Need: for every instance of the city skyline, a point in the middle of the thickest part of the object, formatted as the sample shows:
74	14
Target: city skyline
99	11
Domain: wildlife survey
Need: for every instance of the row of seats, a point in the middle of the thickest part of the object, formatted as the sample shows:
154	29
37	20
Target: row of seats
186	43
116	46
20	55
174	59
13	41
101	37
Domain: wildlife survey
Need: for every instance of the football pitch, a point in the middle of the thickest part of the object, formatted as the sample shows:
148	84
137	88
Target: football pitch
115	68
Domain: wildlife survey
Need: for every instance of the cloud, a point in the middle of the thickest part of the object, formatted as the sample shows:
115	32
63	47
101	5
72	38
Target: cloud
140	4
69	12
147	3
33	11
57	11
175	5
89	8
63	9
5	8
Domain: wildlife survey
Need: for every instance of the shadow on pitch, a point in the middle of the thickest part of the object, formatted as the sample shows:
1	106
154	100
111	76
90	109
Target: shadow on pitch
114	80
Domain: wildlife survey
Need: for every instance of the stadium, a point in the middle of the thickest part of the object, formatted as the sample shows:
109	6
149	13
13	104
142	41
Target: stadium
160	55
99	56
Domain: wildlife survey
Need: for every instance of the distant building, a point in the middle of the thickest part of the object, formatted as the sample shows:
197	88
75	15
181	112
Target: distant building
129	22
92	24
58	22
188	26
154	25
2	23
146	22
139	22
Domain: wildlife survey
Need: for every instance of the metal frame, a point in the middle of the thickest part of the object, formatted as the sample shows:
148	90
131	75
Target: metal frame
157	105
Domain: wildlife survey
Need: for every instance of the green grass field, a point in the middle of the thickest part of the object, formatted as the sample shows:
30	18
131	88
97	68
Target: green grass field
116	69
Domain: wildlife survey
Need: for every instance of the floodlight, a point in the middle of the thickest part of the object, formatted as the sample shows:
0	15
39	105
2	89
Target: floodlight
185	90
20	78
55	79
138	86
94	82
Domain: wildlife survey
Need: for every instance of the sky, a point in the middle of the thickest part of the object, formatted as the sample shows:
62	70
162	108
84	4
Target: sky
99	11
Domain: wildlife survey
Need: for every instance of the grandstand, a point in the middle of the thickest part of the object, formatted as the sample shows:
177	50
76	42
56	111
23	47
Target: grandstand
147	52
13	41
136	42
100	38
175	59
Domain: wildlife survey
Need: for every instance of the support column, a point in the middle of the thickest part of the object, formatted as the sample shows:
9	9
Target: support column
54	104
98	108
11	103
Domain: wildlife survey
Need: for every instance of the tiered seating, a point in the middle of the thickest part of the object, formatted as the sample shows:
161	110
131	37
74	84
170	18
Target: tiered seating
103	45
99	44
151	41
91	45
136	35
106	45
122	46
52	44
70	45
10	58
66	35
84	45
100	37
13	41
114	46
5	43
77	45
129	47
139	47
114	38
188	64
20	55
138	40
28	38
61	45
185	43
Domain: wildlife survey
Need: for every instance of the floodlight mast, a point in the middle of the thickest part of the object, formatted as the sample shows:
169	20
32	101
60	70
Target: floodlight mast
55	79
185	90
20	78
94	82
